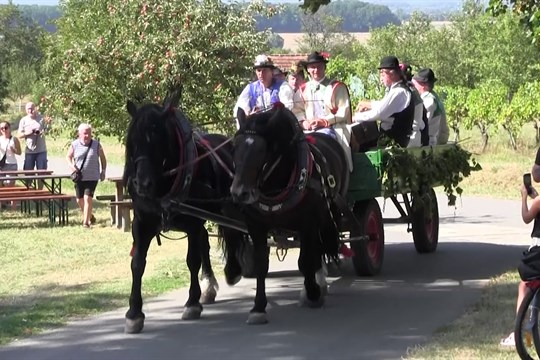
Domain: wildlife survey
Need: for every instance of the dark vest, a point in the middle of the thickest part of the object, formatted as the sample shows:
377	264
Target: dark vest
403	120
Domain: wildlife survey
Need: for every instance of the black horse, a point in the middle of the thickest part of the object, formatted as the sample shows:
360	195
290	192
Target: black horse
168	165
287	181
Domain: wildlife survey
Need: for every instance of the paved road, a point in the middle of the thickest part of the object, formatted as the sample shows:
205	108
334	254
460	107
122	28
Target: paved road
59	165
364	318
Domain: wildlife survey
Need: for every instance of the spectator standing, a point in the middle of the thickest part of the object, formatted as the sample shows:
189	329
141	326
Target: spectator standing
86	154
9	147
32	130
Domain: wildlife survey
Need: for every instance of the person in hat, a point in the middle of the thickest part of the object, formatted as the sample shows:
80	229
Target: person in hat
297	77
280	74
325	105
424	81
420	132
264	92
396	109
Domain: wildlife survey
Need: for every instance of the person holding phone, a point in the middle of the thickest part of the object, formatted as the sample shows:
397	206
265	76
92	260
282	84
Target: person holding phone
528	214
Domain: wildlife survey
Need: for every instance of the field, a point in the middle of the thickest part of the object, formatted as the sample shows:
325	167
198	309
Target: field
291	39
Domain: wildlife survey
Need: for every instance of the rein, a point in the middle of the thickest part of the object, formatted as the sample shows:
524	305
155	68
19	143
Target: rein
211	151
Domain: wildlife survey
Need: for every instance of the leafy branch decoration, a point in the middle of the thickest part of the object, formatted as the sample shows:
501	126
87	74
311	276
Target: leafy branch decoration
417	170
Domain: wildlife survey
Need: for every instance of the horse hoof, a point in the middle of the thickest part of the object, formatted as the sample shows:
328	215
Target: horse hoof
305	302
192	313
256	318
134	326
208	297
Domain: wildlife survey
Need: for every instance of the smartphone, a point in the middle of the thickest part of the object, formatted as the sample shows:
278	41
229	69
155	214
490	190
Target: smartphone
527	182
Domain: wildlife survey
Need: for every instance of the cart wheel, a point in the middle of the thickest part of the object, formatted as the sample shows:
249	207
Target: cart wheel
245	258
425	223
368	255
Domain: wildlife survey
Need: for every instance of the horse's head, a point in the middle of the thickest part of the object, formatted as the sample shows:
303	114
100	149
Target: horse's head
152	148
262	138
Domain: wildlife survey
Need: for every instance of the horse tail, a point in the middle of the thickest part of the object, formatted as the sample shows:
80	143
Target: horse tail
330	240
238	252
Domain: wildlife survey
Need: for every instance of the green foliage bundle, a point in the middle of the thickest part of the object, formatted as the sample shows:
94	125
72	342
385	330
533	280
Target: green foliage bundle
416	170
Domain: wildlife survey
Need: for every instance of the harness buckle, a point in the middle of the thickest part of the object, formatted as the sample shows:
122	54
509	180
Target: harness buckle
331	181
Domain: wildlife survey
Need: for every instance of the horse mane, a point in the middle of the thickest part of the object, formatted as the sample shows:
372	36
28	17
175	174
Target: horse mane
279	124
146	116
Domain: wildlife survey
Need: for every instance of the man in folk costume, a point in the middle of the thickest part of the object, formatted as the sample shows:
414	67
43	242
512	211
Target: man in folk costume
395	110
325	105
424	81
264	92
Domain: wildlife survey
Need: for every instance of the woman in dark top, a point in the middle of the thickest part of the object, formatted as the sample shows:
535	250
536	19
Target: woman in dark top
528	214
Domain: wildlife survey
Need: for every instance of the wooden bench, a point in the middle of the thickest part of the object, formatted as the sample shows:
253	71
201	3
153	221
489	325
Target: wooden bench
22	193
125	207
12	188
57	204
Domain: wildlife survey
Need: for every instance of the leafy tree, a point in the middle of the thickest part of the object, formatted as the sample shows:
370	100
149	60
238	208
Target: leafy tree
323	33
455	104
275	41
105	53
3	92
19	37
21	81
527	10
525	107
485	104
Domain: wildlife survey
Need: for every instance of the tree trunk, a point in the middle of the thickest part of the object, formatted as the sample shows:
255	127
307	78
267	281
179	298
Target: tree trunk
485	136
512	137
537	131
456	134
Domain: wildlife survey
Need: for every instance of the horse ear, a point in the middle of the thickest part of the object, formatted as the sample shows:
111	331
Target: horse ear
173	99
241	116
131	108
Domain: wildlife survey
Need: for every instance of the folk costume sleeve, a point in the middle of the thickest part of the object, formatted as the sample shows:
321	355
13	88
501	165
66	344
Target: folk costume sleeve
340	105
299	109
433	121
243	102
286	95
393	102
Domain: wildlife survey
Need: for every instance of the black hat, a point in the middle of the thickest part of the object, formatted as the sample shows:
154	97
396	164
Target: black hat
389	62
263	61
316	57
425	75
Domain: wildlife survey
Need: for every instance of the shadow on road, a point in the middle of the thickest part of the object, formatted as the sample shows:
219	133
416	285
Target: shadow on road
363	318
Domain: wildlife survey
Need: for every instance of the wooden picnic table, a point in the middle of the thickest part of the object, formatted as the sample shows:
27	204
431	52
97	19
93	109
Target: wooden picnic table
25	172
53	182
52	196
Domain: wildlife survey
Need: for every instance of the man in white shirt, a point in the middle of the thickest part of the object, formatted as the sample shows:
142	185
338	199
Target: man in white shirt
396	110
323	104
424	81
261	94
